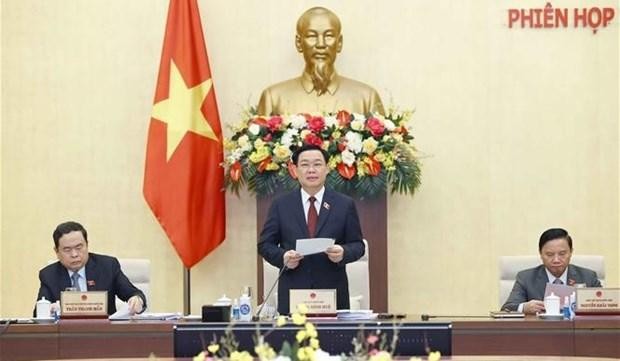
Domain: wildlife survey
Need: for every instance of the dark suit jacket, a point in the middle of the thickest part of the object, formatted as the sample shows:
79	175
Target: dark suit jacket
286	223
103	273
531	283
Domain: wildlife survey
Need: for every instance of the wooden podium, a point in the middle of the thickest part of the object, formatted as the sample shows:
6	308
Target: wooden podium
373	217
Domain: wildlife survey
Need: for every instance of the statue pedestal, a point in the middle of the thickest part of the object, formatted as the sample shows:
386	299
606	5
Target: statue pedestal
373	217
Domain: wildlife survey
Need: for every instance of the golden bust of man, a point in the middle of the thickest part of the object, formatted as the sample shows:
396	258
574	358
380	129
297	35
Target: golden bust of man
319	88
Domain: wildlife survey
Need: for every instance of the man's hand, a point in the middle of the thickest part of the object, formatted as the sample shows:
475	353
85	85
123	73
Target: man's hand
335	253
533	307
55	308
135	305
292	258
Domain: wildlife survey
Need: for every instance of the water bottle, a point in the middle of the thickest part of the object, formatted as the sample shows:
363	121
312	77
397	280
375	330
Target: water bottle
245	308
235	311
573	305
566	309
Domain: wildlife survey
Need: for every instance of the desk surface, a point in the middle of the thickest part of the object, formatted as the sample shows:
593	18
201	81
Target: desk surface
588	336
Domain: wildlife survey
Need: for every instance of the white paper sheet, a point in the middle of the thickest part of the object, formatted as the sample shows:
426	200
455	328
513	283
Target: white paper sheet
308	246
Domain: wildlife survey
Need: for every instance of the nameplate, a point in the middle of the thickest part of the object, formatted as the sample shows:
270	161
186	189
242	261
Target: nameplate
592	301
88	304
317	301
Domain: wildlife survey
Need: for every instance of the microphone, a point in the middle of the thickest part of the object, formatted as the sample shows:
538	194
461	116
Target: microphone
256	317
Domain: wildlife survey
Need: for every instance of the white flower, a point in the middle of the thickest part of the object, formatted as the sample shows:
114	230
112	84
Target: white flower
330	120
288	136
389	125
298	121
244	143
254	128
358	116
348	158
354	142
357	125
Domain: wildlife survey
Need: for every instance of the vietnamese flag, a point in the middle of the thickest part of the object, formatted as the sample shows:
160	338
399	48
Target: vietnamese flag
183	179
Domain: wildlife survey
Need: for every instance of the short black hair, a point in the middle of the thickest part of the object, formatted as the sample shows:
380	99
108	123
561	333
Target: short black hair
68	227
307	147
553	234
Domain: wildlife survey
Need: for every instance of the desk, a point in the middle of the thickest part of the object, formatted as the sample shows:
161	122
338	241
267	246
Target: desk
586	336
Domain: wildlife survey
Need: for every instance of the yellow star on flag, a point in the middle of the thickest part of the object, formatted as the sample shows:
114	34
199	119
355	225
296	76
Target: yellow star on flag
181	110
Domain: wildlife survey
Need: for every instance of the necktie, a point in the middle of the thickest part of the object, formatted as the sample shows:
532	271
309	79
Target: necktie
558	281
74	280
312	217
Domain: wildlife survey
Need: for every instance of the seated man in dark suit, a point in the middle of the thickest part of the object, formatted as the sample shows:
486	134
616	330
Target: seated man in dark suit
312	211
78	268
555	247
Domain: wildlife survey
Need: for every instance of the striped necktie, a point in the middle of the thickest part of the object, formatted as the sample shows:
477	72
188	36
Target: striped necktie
558	281
75	281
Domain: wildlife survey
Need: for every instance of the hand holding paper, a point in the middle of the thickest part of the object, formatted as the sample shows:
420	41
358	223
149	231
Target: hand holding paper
335	253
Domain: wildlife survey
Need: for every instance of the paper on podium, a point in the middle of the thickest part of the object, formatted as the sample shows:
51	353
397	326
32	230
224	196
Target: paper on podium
123	315
308	246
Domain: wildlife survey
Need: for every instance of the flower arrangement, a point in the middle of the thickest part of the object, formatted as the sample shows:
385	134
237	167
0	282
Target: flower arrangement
367	153
371	347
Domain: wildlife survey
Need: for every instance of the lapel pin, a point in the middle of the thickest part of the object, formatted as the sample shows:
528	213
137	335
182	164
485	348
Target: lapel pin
326	205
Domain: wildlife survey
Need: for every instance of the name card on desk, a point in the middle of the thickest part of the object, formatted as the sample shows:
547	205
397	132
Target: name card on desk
317	301
88	304
598	301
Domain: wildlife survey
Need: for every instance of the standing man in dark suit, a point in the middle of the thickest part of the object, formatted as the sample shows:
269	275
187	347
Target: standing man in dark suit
293	216
556	248
78	268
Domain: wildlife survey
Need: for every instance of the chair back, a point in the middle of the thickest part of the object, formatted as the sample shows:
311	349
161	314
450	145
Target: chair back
509	266
138	271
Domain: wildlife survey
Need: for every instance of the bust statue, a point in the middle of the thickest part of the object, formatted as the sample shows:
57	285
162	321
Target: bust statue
319	88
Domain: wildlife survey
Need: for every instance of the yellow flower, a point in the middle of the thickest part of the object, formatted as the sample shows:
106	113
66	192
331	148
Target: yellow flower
336	134
334	161
282	152
281	321
259	154
258	143
213	348
314	343
241	356
301	335
302	308
369	145
381	356
200	357
298	319
265	352
305	353
434	356
273	166
311	330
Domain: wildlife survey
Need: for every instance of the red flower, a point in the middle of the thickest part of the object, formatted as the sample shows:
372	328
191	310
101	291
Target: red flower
344	118
316	124
263	164
292	171
402	130
375	126
313	139
268	137
346	171
274	123
374	167
235	171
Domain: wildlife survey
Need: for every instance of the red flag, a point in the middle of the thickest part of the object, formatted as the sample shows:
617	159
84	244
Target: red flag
183	180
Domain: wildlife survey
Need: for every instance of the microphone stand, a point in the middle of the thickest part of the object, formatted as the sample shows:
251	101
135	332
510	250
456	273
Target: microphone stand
256	317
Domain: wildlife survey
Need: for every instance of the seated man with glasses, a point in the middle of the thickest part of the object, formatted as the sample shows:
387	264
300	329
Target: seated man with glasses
83	271
556	248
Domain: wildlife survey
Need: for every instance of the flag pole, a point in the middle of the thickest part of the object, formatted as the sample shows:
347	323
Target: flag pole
186	292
